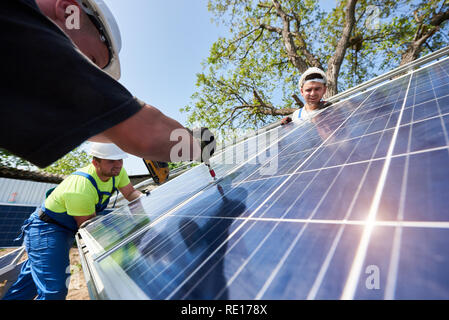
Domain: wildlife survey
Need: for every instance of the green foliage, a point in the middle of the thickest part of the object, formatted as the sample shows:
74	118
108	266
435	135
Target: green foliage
174	165
7	159
72	161
254	59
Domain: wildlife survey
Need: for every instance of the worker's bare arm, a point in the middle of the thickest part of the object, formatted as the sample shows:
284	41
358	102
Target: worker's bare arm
147	135
81	219
130	193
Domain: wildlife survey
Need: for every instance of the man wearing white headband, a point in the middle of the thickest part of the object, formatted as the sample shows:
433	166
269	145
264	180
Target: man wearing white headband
313	85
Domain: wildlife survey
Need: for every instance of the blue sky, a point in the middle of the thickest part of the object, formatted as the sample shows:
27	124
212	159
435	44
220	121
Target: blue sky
163	45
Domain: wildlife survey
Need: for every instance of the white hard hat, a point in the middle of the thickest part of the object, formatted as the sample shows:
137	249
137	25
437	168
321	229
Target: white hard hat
107	151
104	20
310	71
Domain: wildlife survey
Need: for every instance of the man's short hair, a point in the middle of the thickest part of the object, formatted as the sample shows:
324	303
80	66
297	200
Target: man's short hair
313	76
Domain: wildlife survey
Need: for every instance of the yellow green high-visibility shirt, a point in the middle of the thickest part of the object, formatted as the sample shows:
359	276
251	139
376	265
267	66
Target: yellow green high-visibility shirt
77	196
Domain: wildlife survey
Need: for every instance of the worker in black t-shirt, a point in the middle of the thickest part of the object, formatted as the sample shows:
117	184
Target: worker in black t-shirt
59	71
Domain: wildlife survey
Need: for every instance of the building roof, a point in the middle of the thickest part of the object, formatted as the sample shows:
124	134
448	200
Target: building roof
38	176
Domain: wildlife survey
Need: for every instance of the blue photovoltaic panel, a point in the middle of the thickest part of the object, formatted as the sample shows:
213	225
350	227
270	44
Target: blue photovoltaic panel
12	218
10	259
351	205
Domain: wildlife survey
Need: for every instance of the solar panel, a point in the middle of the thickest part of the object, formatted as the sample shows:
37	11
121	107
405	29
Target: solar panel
10	259
350	205
12	217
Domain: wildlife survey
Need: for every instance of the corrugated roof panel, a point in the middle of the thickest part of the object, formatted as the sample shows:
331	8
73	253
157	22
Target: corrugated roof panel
22	191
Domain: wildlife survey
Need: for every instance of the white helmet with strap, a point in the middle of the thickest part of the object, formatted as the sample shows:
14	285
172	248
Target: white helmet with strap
104	20
108	151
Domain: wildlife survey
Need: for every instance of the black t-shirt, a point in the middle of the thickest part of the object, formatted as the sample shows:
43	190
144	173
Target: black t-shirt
52	97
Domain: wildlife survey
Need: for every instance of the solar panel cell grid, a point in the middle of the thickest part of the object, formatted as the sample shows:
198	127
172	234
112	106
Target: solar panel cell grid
359	191
12	220
421	259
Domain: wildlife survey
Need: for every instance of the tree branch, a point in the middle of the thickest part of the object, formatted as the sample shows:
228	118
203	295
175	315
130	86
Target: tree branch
298	102
251	45
289	42
423	33
311	59
231	117
271	28
269	111
336	60
439	18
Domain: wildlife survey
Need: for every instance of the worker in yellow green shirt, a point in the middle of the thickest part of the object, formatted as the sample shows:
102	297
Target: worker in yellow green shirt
50	230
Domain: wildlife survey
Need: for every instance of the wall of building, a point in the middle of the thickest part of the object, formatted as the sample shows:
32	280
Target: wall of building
23	192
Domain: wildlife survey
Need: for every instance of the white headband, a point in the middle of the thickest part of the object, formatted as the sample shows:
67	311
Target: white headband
315	80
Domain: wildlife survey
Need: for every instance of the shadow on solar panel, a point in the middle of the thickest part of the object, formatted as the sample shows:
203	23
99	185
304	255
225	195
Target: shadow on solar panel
349	205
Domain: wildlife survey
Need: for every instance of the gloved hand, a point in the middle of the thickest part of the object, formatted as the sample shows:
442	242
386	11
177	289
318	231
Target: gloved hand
208	143
286	120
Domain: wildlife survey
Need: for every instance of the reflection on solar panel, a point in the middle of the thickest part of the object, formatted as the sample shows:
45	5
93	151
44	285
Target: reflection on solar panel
352	205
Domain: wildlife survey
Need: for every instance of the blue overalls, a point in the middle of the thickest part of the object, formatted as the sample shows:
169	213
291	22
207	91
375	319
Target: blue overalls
47	270
299	113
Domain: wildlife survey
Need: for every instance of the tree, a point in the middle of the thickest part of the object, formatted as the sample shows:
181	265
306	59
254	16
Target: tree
7	159
77	158
250	76
72	161
429	18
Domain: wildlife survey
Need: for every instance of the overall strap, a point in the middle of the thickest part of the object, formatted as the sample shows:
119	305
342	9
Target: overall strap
92	180
112	192
113	186
100	206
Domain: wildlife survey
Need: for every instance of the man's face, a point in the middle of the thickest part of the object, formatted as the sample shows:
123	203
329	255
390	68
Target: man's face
86	36
95	49
87	39
109	168
313	92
